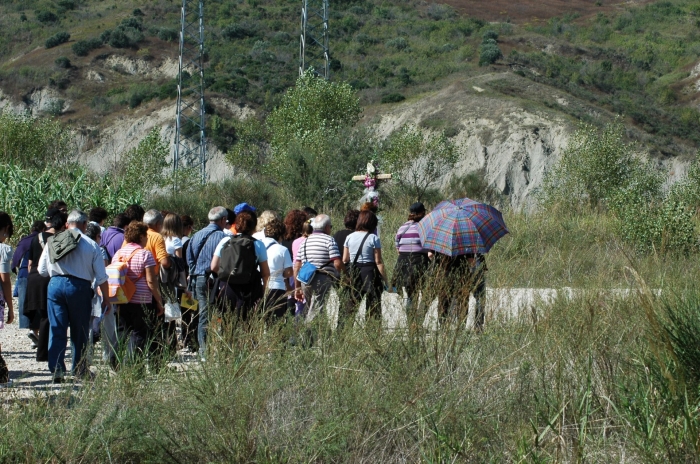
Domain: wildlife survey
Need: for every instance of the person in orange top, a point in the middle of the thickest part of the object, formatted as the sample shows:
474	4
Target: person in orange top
156	243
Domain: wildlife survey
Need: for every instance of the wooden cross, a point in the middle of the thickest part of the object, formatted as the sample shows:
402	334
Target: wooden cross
379	177
370	171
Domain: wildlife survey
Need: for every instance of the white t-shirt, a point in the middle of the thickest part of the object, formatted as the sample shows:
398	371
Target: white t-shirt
278	259
6	254
259	235
172	244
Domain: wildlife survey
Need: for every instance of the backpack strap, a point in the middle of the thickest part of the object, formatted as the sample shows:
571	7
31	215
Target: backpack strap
201	247
307	258
129	259
359	250
42	242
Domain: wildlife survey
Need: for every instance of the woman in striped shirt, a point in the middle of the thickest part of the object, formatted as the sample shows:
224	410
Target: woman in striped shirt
413	258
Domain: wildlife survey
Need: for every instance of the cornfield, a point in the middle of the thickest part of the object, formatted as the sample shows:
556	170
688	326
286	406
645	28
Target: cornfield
25	193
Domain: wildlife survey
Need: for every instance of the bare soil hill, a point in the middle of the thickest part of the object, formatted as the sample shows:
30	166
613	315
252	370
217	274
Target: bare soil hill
534	10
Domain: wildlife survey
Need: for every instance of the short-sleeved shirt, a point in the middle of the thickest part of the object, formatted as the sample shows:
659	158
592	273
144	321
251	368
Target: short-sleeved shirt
137	266
320	250
172	244
37	249
278	259
260	251
6	255
156	245
340	237
408	239
367	255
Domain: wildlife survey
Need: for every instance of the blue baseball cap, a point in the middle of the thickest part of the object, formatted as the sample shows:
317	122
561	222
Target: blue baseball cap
243	207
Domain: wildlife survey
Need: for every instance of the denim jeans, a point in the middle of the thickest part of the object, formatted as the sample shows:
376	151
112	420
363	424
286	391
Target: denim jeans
21	285
69	305
201	294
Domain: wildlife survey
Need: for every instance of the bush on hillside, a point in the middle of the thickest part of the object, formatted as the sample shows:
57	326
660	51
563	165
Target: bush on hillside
418	159
489	53
35	143
46	17
57	39
62	62
84	47
399	43
598	169
238	31
393	98
119	39
168	34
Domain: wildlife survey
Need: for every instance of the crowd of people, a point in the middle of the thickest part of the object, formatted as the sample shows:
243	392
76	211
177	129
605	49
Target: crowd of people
242	263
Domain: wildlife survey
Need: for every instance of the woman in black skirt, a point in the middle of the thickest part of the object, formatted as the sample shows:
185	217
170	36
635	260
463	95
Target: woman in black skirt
363	251
35	303
412	262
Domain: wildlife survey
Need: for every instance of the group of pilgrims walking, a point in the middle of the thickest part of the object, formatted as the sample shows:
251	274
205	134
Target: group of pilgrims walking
241	265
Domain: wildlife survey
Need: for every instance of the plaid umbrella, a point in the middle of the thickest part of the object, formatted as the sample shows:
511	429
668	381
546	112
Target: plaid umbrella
461	227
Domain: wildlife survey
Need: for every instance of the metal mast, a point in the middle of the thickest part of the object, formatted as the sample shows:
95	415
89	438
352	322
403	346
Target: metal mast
190	142
314	51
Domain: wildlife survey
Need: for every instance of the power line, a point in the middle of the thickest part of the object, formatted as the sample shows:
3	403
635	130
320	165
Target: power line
190	140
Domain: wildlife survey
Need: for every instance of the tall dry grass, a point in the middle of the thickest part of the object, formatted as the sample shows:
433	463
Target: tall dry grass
584	379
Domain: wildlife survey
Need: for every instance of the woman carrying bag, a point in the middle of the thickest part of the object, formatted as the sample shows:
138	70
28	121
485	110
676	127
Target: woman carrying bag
363	250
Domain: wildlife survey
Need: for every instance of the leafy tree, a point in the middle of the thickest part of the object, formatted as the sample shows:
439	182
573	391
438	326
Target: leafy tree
310	133
594	167
142	169
600	170
419	160
30	142
252	147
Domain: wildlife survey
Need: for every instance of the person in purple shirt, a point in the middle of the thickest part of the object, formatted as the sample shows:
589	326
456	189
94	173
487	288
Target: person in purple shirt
20	262
413	260
113	236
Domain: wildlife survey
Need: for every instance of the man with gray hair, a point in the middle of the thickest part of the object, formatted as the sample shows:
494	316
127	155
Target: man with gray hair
73	262
200	251
156	243
320	250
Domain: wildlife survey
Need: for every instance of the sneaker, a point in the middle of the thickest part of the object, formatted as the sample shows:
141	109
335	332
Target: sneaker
33	338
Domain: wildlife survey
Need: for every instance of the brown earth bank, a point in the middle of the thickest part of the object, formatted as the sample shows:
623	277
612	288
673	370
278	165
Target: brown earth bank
534	10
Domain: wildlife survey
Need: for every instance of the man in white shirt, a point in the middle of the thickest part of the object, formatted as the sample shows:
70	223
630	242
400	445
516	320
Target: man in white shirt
70	296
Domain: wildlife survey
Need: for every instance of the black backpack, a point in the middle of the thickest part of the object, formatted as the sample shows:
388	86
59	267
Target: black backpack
238	260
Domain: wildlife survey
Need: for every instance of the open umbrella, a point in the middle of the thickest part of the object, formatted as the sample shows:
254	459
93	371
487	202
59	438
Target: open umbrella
461	227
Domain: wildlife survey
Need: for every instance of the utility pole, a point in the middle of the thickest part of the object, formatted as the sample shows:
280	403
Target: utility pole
190	140
313	48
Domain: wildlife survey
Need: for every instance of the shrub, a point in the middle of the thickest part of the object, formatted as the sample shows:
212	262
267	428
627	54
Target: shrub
393	98
490	34
104	37
46	17
238	31
489	53
418	159
399	43
137	12
119	39
168	35
57	39
67	4
439	12
133	23
84	47
62	62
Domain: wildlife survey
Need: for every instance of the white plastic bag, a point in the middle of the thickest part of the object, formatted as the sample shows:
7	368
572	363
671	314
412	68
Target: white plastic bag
172	312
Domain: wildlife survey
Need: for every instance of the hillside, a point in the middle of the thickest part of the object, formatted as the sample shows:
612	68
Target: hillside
561	62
